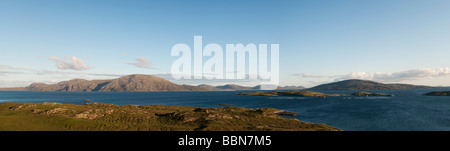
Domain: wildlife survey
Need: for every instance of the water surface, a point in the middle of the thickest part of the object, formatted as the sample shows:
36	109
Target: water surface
411	111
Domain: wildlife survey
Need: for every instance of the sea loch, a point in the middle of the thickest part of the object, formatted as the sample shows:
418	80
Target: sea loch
409	111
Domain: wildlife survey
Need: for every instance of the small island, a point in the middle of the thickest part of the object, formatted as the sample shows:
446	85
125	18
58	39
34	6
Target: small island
438	93
370	94
108	117
308	94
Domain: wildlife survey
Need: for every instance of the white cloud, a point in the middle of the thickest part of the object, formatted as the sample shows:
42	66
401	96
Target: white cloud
11	72
71	63
307	75
6	70
142	63
46	72
409	75
6	67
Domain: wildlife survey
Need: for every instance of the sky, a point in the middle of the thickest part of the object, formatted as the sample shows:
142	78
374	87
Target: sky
321	41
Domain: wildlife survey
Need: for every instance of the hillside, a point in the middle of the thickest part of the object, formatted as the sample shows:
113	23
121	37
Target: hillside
130	83
210	87
107	117
72	85
14	89
145	83
355	84
234	87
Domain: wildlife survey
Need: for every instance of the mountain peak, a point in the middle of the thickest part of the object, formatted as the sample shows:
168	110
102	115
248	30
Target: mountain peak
357	84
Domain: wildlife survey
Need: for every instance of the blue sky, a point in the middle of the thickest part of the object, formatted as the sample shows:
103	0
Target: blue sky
320	41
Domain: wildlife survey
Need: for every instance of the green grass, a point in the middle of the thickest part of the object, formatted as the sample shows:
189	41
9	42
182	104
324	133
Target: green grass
108	117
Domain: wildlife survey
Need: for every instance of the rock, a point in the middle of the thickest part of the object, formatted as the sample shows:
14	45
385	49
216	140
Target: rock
199	110
51	103
56	111
87	115
284	113
189	119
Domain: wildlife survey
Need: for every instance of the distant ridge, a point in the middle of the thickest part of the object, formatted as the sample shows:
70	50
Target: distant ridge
132	83
14	89
355	84
234	87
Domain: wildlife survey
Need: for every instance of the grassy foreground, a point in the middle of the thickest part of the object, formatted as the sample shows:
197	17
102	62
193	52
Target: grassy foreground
107	117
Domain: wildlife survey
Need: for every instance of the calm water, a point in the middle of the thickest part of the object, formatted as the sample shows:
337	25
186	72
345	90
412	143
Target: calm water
413	111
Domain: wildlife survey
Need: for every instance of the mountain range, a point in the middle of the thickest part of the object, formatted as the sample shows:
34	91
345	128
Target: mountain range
234	87
150	83
130	83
